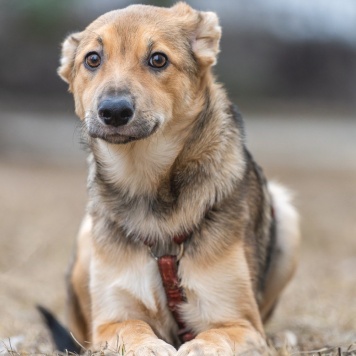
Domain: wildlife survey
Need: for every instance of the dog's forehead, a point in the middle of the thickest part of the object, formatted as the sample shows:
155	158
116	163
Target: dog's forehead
136	22
136	32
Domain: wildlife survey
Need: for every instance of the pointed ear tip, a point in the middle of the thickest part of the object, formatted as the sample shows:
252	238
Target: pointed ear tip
75	37
212	14
183	7
212	18
181	3
71	41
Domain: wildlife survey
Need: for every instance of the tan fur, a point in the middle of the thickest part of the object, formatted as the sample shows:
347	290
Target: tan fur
186	172
79	313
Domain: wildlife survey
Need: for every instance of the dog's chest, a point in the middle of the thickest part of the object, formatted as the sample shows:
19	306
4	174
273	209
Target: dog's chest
136	202
130	287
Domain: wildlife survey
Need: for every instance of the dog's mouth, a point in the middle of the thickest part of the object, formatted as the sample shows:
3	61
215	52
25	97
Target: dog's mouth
137	130
114	138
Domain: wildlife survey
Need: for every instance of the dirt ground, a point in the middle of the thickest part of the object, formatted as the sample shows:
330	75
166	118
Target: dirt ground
42	200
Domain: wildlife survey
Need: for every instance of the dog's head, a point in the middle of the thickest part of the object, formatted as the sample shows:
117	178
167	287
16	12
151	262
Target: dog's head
133	70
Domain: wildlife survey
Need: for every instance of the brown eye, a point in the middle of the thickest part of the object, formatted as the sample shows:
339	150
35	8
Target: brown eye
92	60
158	60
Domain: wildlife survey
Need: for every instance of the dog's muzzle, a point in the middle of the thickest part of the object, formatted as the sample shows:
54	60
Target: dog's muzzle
117	120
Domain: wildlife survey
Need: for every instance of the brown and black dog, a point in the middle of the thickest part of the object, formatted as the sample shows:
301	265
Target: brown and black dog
168	159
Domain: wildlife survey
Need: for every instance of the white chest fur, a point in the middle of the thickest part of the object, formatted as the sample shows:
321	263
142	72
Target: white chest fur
138	167
138	170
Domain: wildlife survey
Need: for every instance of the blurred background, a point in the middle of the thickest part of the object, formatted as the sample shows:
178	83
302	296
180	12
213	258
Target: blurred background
272	50
290	65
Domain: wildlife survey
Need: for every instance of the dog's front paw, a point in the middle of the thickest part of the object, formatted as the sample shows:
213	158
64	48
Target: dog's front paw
198	347
205	348
152	348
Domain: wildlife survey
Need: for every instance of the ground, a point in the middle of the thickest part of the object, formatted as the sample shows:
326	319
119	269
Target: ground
42	200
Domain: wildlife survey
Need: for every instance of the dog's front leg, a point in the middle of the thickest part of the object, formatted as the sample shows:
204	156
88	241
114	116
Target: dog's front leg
235	339
131	338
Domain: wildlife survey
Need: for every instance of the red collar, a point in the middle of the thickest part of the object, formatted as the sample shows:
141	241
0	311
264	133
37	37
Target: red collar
168	269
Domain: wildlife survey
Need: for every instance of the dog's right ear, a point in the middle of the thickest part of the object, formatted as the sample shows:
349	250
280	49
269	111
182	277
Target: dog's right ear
69	48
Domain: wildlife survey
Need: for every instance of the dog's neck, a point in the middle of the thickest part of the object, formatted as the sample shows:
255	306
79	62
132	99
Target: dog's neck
138	167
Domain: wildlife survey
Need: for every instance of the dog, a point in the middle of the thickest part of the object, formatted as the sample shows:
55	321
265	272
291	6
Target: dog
175	198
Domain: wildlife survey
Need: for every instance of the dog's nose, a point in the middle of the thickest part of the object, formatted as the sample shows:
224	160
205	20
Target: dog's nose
116	111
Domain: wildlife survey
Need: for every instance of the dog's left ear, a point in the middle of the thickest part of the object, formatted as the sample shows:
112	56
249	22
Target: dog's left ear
205	31
207	38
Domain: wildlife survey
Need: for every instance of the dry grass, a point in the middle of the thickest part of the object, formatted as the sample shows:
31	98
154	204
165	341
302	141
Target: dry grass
349	350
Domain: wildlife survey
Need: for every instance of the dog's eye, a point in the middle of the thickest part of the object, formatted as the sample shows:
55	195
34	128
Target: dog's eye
158	60
92	60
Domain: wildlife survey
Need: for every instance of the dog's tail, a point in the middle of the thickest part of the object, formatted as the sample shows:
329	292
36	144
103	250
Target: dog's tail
61	336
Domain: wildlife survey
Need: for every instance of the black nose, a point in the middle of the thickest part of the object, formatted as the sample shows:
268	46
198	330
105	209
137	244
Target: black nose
116	111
